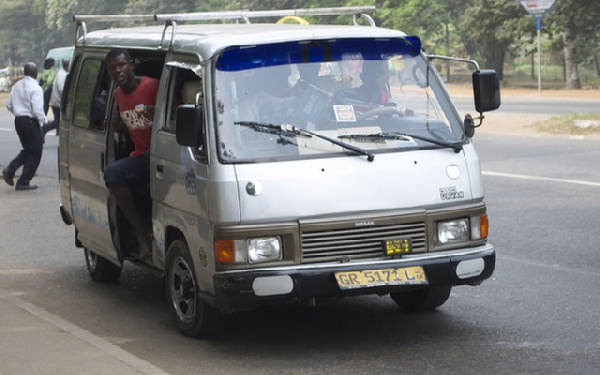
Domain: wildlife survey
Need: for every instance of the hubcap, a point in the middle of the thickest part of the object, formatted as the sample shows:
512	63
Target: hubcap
182	290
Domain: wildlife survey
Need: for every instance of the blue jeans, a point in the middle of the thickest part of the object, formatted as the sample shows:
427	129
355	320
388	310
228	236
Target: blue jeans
30	135
129	172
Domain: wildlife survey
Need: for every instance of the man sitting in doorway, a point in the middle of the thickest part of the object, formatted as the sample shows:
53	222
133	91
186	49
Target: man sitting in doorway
135	98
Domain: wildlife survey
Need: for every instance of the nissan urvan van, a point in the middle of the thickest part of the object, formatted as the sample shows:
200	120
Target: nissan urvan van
290	163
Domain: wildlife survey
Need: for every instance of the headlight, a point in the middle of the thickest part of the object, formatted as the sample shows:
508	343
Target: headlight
252	250
264	249
453	231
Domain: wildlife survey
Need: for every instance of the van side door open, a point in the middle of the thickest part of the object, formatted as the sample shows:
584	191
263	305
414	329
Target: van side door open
85	112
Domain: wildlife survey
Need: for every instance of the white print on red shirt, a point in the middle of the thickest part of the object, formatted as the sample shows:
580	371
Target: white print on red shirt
134	121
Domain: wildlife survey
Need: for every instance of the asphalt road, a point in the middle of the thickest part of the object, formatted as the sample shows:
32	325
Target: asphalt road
533	105
538	314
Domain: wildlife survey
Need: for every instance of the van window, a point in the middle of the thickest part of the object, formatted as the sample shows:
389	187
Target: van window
184	88
92	91
289	100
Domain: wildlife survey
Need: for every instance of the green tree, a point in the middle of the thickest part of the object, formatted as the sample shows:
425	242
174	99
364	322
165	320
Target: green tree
22	30
494	26
577	21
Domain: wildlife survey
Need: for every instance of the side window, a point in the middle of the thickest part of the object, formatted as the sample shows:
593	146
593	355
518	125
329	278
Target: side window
90	95
185	87
70	90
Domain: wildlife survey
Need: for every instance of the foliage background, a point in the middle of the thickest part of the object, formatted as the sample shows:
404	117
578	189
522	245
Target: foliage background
498	33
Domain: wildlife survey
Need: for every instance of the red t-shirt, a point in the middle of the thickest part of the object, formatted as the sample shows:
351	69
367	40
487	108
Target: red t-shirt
140	128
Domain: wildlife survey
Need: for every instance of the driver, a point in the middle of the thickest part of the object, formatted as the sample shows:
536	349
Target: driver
375	88
374	91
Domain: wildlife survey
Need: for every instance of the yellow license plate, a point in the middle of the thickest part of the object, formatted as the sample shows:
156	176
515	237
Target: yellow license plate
391	276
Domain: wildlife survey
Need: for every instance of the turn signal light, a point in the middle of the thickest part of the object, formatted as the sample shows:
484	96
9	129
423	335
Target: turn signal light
484	225
225	251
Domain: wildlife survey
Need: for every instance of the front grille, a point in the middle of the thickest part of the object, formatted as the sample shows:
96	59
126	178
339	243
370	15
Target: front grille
358	243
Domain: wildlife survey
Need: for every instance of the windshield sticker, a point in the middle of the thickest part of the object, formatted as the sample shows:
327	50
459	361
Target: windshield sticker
450	193
344	113
190	182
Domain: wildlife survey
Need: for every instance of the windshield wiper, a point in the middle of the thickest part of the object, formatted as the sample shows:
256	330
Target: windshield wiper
292	131
456	146
268	128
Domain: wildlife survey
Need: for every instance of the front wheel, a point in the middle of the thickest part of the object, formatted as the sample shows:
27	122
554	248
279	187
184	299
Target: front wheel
101	269
194	317
422	299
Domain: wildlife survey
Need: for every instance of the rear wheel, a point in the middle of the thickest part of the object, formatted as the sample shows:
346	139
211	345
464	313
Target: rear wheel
194	317
100	269
422	299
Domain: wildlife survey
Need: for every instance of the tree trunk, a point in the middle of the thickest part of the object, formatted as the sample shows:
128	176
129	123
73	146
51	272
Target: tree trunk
572	79
493	57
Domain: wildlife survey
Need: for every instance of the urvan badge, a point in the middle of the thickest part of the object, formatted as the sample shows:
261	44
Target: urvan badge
450	193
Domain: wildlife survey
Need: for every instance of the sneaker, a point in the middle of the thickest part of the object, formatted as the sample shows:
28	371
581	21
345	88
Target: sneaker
8	178
25	187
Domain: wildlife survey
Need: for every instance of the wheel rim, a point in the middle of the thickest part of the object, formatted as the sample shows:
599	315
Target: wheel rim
182	289
92	259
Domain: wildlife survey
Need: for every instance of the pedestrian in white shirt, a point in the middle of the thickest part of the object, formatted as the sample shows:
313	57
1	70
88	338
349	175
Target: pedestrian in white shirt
26	102
56	96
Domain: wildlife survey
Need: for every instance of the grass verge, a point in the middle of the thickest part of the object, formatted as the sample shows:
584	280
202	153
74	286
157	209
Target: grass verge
566	124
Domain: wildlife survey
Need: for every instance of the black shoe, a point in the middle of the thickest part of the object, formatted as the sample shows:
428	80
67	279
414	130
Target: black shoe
7	177
25	187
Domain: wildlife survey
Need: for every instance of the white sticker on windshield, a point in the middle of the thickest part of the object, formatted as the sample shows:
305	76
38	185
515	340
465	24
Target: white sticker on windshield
344	113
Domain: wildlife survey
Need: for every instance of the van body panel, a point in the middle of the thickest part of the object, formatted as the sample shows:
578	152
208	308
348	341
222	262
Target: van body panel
322	187
82	153
89	195
474	171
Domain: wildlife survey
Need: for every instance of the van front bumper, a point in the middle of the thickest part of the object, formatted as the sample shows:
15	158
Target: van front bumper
247	289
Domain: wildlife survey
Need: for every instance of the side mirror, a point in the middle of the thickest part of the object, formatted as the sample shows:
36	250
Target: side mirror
486	88
469	126
189	126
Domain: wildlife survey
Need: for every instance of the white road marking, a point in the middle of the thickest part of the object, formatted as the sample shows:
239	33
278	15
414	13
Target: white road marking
538	178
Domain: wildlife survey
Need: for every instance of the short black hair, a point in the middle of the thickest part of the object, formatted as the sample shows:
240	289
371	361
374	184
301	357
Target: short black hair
49	63
116	52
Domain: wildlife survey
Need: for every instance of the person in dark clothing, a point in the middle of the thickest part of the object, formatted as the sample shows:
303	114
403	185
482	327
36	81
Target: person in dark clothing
26	102
46	80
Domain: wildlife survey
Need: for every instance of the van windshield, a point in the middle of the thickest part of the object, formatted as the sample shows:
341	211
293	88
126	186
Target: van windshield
289	100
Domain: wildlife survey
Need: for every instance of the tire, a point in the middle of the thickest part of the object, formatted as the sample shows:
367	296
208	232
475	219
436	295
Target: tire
422	299
193	316
100	269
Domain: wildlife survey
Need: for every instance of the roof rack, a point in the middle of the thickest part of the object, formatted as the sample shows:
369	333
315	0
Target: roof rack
170	20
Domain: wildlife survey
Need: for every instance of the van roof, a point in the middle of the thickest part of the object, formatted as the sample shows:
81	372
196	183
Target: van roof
209	39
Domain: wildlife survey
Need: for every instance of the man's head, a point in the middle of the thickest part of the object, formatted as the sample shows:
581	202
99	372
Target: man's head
120	66
30	69
49	63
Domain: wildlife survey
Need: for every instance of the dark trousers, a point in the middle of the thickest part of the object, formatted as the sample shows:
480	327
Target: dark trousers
54	124
47	94
29	158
